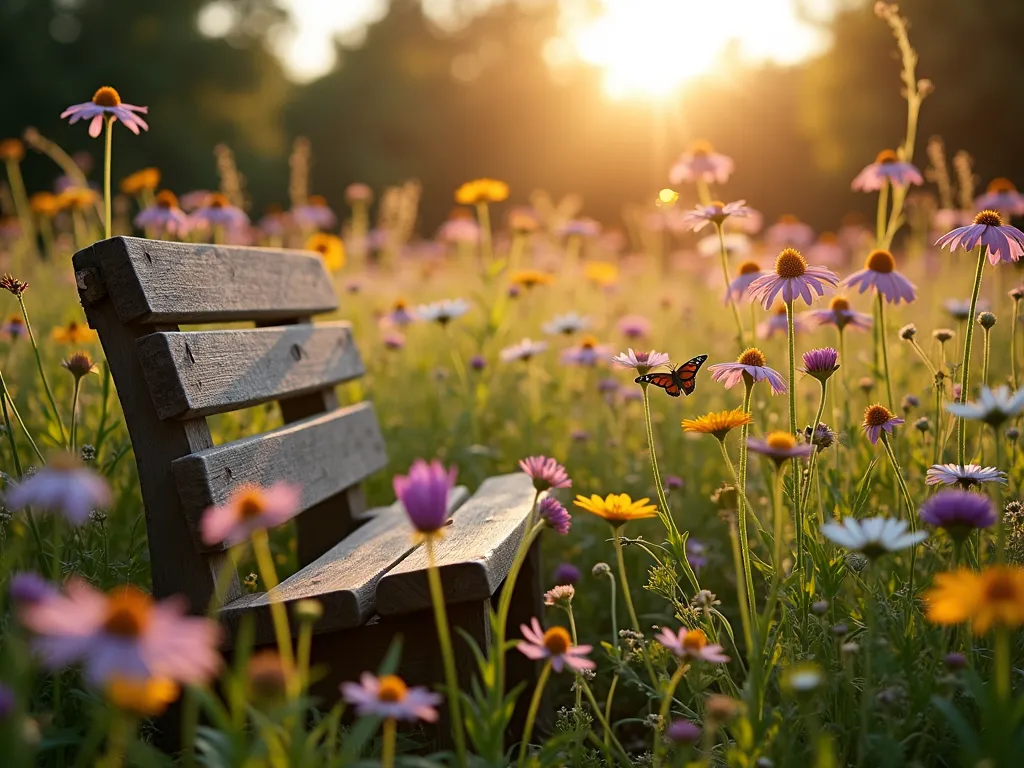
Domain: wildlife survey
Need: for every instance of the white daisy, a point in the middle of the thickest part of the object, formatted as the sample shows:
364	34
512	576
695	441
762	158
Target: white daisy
992	407
965	475
524	350
567	324
443	311
872	536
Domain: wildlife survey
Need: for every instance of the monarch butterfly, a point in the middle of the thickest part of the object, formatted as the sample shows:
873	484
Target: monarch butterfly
682	379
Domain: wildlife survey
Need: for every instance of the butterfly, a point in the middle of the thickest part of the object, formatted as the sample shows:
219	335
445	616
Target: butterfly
682	379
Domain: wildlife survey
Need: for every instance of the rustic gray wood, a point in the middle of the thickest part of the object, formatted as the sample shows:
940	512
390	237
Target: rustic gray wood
324	455
344	579
475	555
197	373
152	281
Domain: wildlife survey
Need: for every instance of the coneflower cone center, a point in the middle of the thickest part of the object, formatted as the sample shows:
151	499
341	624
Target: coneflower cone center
880	261
392	689
989	219
1001	185
1001	589
166	199
557	641
877	415
780	441
695	640
839	304
106	97
789	263
752	357
128	613
749	268
886	156
251	505
701	148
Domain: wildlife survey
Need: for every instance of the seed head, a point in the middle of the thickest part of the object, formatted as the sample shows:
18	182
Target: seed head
986	320
880	261
80	365
753	357
989	218
908	331
790	263
942	335
14	285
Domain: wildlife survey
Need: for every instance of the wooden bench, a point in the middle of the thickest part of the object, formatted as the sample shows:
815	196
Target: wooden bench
360	564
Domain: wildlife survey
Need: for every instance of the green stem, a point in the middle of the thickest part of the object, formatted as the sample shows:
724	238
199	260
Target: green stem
74	414
387	752
984	357
725	274
21	204
663	712
486	246
9	431
814	426
604	722
1000	524
505	601
1013	343
575	641
447	654
881	214
1002	663
278	613
884	343
531	713
965	374
107	202
798	519
42	372
629	600
866	695
748	605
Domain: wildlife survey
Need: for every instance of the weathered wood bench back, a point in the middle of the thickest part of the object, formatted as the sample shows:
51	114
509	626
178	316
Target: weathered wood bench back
135	293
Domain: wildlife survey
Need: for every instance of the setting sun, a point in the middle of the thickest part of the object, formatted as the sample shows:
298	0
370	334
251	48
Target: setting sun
653	47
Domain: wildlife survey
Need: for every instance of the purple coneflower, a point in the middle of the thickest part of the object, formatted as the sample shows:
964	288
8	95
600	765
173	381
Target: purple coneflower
13	328
715	213
388	697
840	315
442	312
780	447
748	272
218	211
194	200
827	250
122	634
524	350
963	475
566	573
789	231
887	169
63	486
1002	196
880	273
424	494
879	419
1003	241
555	645
643	362
673	482
778	323
820	363
691	644
477	362
164	215
459	229
959	512
751	363
701	163
314	214
107	102
792	278
587	353
545	472
634	326
250	508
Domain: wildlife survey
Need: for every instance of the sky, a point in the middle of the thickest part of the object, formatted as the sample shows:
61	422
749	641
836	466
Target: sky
644	46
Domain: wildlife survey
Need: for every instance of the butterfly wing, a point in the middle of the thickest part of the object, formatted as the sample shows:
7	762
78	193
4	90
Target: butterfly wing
666	380
686	374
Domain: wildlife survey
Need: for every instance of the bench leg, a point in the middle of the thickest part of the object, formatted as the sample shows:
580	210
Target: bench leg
527	602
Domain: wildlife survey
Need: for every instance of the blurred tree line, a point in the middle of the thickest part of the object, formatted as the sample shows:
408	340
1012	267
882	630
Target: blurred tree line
414	103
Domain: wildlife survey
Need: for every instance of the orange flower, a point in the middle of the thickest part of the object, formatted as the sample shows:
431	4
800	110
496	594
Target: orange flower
481	191
994	597
72	333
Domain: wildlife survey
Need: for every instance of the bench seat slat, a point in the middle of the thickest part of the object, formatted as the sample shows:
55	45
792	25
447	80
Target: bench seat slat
344	580
474	556
152	281
322	454
199	373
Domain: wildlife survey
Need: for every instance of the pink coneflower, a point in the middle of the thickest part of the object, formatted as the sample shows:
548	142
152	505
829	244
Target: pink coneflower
1002	196
789	231
751	363
1003	241
634	326
274	222
524	350
691	644
748	272
194	200
780	447
424	494
122	634
545	472
879	419
164	216
793	279
643	362
388	697
777	323
218	211
63	486
887	169
314	214
555	515
249	509
561	596
827	250
880	273
701	163
460	229
107	102
393	340
554	645
715	213
840	315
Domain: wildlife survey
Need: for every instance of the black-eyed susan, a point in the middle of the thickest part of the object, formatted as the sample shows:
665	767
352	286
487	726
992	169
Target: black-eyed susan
330	248
531	278
992	598
617	508
72	333
718	423
481	191
144	180
144	696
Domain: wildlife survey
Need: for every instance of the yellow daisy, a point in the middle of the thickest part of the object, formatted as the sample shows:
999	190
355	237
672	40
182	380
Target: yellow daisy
617	508
719	423
72	333
146	179
529	278
481	191
330	248
994	597
147	697
601	273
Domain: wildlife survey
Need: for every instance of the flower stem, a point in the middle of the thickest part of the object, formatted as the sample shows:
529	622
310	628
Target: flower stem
278	613
881	214
387	751
604	722
1002	662
883	341
1013	343
984	357
725	274
663	712
965	374
531	713
42	372
483	214
814	456
748	606
798	520
629	601
448	656
505	601
106	178
74	414
575	641
9	431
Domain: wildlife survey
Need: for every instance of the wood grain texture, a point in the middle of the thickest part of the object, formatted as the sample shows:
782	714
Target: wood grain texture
324	455
198	373
344	579
152	281
475	555
177	568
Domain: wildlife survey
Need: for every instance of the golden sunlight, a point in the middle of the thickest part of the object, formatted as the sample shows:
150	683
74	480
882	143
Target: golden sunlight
654	47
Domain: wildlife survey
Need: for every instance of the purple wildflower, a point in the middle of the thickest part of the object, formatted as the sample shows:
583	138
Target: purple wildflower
566	573
545	472
691	644
879	419
424	494
634	326
792	278
643	362
777	323
390	698
218	211
880	273
751	363
477	362
1004	242
524	350
696	553
701	163
780	447
958	512
821	363
314	214
717	212
840	315
106	102
62	486
963	475
28	587
887	169
555	515
555	645
164	216
683	732
789	231
748	272
1002	196
587	353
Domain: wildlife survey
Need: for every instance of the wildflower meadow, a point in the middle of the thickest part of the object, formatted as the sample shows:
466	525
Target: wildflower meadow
775	471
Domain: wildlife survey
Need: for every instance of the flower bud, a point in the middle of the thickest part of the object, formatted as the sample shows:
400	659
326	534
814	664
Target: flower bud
986	320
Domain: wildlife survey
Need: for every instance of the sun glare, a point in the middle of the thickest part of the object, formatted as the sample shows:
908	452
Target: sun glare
653	47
